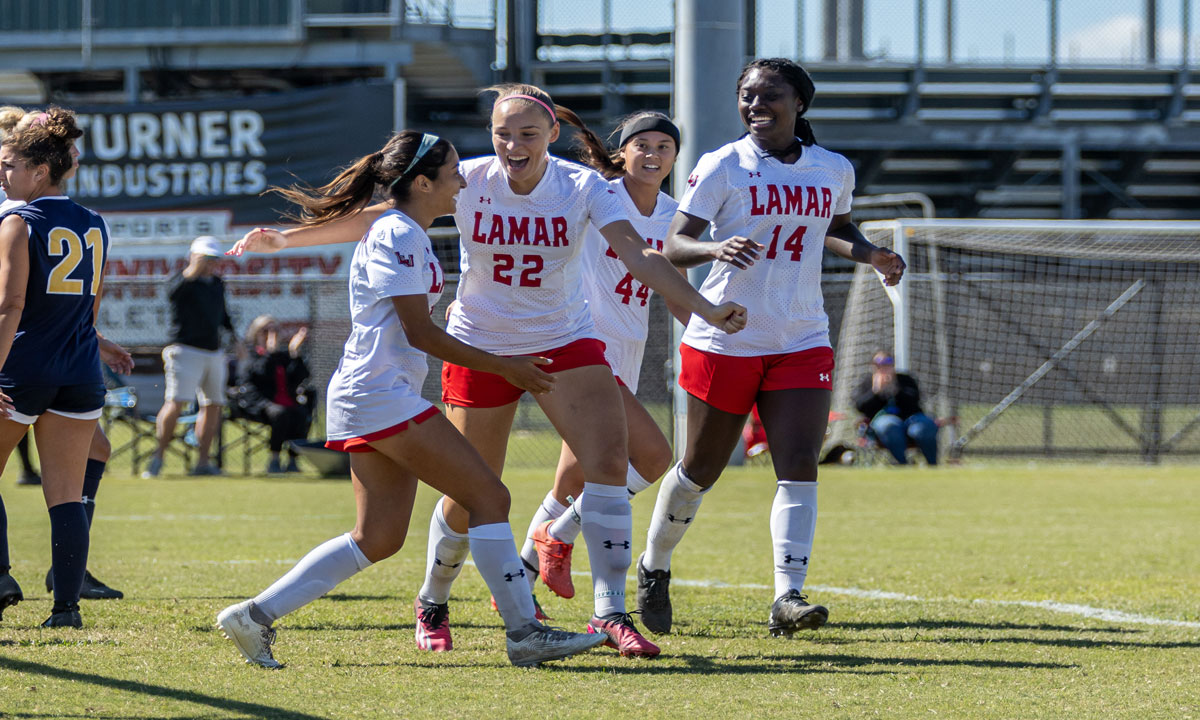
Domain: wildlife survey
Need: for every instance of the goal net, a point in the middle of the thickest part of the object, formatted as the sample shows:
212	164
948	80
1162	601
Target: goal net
1036	338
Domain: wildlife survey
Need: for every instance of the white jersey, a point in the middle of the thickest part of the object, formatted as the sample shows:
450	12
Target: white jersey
9	205
785	208
378	382
620	305
521	287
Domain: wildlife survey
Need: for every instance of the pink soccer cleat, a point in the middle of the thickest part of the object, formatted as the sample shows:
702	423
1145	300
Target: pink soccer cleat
623	635
433	626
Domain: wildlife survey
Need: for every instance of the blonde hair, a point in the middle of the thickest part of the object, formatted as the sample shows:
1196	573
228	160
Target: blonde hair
258	325
10	115
46	138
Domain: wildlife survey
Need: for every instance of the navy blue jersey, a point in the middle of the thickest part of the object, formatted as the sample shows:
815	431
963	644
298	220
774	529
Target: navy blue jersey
56	341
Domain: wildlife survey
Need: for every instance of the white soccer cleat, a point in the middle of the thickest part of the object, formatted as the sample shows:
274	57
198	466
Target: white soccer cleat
252	639
545	644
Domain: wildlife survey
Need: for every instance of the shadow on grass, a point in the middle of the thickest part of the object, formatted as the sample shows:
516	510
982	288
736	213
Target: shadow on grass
247	708
968	625
108	717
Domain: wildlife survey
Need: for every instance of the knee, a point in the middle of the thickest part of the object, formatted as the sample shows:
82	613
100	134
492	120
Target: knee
377	544
654	462
490	503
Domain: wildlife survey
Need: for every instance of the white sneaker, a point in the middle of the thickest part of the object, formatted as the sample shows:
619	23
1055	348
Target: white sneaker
252	639
545	644
153	468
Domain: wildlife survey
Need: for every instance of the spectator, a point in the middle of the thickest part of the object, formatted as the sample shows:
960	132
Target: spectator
891	403
193	362
271	388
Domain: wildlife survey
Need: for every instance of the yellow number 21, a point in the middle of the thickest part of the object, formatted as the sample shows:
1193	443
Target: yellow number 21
63	241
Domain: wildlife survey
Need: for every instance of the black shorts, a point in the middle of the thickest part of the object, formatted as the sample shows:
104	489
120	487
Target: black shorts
83	402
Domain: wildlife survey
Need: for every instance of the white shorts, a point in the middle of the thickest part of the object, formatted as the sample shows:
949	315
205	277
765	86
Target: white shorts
350	414
192	372
625	358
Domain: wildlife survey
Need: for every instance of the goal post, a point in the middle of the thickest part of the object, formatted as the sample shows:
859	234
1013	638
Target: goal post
1036	338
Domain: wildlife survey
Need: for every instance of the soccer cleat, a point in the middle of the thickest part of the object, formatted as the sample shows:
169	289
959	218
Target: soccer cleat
621	634
153	468
92	589
554	561
433	626
274	467
791	612
253	640
10	593
65	616
206	470
544	644
654	598
538	613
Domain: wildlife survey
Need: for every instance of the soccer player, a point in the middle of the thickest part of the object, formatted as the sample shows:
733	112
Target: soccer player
522	223
116	357
52	254
774	199
619	304
376	413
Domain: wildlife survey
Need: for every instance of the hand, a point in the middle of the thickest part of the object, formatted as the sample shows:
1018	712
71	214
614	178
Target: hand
523	372
738	251
297	341
890	265
115	356
6	406
729	316
259	240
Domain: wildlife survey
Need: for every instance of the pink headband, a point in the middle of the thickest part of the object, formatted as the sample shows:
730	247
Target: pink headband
547	108
40	119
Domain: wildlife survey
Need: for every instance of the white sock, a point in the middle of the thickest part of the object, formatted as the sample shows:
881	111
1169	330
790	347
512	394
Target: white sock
678	501
634	482
497	561
568	525
318	572
550	509
608	530
793	523
444	558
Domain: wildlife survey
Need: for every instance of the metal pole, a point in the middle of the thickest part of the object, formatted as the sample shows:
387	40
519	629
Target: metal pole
709	53
1053	33
829	36
1152	31
1070	177
949	31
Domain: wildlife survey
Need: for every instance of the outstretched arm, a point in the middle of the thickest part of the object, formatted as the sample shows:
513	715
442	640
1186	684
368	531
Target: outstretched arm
347	229
685	249
652	268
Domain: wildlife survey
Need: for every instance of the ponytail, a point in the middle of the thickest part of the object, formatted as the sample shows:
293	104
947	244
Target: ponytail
592	150
389	172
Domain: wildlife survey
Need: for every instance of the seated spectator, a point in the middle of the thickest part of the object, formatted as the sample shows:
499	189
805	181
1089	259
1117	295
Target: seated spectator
271	388
891	403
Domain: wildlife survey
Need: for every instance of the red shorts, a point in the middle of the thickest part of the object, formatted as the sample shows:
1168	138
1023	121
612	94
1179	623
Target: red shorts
360	444
732	383
474	389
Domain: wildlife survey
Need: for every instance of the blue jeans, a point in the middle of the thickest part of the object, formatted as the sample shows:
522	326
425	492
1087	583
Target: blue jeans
893	433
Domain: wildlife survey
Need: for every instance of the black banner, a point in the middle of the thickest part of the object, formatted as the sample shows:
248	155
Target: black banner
222	153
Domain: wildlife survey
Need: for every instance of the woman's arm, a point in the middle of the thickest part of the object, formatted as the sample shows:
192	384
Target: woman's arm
427	337
14	279
844	239
652	268
347	229
685	250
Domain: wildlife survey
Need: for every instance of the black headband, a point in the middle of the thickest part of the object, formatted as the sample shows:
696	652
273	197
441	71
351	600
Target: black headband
649	123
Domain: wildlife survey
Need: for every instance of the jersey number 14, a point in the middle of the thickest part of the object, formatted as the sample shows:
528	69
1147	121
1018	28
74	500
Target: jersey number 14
794	243
65	243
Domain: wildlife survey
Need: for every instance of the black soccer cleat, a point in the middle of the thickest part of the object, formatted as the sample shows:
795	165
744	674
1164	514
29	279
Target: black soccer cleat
791	612
654	598
10	592
92	588
64	616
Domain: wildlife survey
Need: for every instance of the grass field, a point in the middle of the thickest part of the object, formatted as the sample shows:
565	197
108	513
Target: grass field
970	592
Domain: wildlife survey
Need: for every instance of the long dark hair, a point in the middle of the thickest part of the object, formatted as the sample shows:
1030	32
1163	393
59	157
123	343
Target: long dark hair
801	82
47	140
611	163
358	184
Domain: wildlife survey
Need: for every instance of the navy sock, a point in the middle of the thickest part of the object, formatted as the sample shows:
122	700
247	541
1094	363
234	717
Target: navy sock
68	552
3	539
91	484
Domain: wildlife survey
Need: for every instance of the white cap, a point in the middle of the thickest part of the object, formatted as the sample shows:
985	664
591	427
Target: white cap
207	245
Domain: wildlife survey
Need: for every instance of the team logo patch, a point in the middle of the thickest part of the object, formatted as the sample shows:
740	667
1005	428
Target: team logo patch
692	180
824	377
405	260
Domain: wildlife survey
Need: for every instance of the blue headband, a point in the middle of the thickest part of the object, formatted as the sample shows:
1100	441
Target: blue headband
428	140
